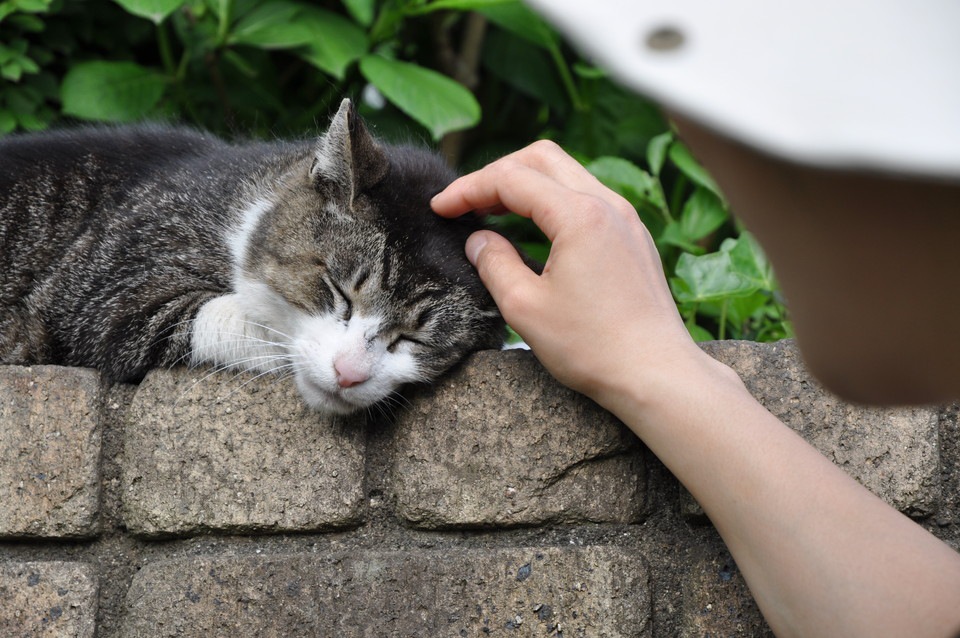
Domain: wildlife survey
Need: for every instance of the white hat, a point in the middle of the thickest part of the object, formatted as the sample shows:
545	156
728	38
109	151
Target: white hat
866	84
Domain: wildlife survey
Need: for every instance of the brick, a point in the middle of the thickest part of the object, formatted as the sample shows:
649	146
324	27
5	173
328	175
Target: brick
50	438
893	452
236	454
48	600
597	592
501	443
716	600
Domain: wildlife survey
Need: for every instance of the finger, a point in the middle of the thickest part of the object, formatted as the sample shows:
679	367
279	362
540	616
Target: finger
520	189
551	160
502	271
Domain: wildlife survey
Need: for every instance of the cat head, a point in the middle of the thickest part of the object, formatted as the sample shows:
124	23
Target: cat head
350	270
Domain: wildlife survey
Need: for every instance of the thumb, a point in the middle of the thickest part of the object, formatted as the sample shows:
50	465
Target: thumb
499	264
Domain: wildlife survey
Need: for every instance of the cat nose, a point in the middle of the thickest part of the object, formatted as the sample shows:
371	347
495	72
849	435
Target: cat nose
349	373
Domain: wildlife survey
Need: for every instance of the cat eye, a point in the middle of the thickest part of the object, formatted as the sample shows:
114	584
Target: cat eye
392	347
348	310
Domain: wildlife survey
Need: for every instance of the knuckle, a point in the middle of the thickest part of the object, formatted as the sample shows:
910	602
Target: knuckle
547	148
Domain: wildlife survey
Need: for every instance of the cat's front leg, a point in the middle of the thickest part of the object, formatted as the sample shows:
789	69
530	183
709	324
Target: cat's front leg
223	334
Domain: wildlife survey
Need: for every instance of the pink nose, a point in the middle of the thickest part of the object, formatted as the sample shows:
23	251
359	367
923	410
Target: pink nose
349	373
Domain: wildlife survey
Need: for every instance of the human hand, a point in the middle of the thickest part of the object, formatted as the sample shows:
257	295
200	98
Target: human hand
601	315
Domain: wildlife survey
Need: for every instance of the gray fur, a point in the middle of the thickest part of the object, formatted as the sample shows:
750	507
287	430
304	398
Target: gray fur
111	240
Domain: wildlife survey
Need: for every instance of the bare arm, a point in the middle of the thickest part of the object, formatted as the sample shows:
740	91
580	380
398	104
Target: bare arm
602	320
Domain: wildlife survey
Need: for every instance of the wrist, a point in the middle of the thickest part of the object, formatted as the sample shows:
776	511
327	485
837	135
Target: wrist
649	397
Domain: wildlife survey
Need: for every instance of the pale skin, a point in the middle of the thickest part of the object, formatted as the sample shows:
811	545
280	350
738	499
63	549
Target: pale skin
821	554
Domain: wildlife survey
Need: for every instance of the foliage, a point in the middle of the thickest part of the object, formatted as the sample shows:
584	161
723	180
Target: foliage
476	77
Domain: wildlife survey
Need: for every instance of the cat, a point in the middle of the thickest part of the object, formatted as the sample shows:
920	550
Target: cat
132	247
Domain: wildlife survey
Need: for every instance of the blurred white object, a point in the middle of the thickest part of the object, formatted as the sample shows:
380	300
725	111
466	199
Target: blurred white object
867	84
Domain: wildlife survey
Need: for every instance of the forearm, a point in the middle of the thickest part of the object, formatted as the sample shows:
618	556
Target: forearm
821	554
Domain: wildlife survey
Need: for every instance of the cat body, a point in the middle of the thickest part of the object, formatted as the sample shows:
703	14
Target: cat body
129	248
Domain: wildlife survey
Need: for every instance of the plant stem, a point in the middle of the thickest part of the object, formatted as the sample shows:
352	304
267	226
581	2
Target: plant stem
566	77
166	53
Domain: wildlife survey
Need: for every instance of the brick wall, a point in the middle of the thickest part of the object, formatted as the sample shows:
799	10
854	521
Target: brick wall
495	503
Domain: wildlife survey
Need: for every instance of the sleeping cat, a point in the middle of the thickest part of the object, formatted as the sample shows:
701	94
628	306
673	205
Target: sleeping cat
128	248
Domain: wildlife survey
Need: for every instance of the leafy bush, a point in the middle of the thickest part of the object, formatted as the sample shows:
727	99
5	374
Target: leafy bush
478	78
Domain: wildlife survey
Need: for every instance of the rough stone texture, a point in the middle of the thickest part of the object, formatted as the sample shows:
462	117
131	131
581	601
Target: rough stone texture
254	460
502	443
585	592
47	600
893	452
716	600
49	451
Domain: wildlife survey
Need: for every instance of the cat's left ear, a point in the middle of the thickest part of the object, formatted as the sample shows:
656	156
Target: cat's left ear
348	159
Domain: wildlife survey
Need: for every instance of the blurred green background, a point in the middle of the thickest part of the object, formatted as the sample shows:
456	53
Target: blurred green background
474	79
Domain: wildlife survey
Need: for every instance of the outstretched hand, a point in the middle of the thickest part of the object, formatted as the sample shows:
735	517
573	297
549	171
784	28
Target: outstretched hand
601	313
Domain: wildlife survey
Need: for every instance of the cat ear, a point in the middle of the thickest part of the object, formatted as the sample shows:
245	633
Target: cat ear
348	159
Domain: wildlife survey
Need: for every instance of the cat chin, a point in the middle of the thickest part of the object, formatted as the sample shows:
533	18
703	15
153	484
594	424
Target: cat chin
322	400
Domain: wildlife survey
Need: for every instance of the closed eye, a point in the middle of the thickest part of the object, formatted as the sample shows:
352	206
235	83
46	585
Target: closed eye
396	342
348	310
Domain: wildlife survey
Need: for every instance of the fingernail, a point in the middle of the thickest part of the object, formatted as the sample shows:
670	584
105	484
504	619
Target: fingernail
475	244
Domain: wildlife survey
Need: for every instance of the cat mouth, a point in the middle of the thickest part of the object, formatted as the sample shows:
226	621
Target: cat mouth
322	399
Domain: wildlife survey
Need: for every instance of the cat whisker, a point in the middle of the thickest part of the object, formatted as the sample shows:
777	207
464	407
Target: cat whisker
249	381
233	365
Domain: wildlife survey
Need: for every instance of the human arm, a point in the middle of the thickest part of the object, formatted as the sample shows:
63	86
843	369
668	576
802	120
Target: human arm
602	320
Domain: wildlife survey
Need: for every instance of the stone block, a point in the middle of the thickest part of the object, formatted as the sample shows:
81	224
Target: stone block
50	436
501	443
597	592
716	600
236	454
893	452
47	600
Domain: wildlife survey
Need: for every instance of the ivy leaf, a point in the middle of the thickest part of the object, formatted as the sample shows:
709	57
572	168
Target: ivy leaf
702	214
708	278
748	259
639	187
111	91
153	10
432	99
657	151
689	166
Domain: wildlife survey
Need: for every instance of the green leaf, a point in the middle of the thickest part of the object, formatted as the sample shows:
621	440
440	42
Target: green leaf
689	166
434	100
639	187
7	121
657	151
33	6
537	77
111	91
708	278
27	22
699	334
748	259
154	10
702	214
11	71
521	21
361	10
271	25
674	235
455	5
335	42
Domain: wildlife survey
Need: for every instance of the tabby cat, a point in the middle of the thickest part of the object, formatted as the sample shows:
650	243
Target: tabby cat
128	248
